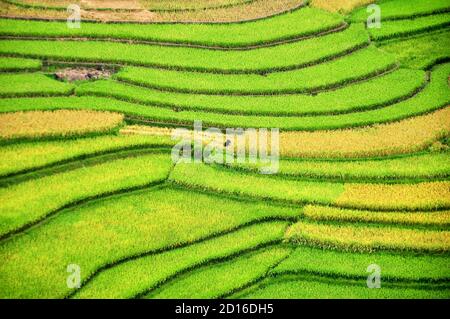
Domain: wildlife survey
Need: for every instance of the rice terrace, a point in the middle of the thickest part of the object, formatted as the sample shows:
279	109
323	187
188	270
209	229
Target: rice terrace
256	149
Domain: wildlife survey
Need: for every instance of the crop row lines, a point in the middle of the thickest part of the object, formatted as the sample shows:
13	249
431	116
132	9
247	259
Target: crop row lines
206	263
17	4
45	218
312	177
56	60
286	202
214	235
177	107
334	278
337	29
58	8
78	162
345	279
310	91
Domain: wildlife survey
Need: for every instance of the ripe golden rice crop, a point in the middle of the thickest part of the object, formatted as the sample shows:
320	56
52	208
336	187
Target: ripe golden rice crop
56	123
146	130
325	213
405	136
251	10
339	5
431	195
368	237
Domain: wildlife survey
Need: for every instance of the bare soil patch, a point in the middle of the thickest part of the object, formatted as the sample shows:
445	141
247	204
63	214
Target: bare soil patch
82	74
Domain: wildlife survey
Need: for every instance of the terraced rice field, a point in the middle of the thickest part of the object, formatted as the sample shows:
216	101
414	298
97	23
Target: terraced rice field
88	180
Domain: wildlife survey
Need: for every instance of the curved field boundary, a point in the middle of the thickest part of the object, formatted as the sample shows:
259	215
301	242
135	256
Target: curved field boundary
27	204
433	129
19	3
24	158
298	23
25	5
178	246
182	260
204	274
368	238
418	105
364	171
428	196
79	162
138	221
404	266
334	281
338	29
421	51
156	8
403	137
254	266
260	60
216	16
406	169
330	75
439	220
310	286
79	203
436	92
402	28
211	7
404	9
404	84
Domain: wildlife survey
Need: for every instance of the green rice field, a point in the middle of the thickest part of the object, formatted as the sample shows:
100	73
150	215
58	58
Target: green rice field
92	208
